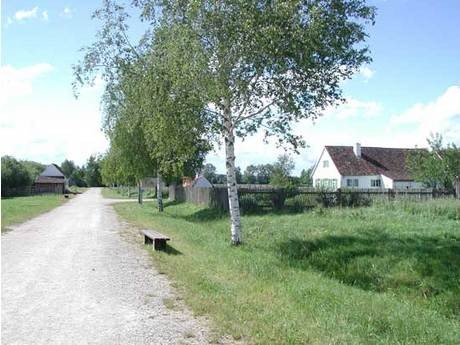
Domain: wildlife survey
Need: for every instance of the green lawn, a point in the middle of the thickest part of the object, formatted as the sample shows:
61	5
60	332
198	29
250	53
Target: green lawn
19	209
387	274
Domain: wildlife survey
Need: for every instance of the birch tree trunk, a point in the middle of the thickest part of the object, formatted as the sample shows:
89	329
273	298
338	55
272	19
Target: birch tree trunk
232	189
159	194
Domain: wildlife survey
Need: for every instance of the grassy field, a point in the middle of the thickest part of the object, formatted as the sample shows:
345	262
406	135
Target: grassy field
19	209
386	274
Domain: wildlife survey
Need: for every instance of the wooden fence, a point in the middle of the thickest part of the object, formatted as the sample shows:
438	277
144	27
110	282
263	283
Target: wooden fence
32	190
217	196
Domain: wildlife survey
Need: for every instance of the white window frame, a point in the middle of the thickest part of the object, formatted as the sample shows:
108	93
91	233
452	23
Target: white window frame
325	164
376	183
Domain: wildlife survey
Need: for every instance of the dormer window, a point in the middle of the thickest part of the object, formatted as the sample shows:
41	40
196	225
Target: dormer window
325	164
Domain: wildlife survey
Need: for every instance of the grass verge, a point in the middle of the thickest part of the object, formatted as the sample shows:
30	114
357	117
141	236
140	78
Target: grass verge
376	275
19	209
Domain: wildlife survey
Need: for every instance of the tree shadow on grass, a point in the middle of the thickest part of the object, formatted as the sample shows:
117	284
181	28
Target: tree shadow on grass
205	215
421	265
170	203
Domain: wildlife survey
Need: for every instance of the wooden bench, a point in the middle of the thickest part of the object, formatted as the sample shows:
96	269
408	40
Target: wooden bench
158	240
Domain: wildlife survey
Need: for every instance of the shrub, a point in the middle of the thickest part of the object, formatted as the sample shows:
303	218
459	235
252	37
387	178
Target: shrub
327	198
301	202
248	203
354	199
14	174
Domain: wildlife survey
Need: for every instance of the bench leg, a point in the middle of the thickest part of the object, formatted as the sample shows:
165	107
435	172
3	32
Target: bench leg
148	240
160	244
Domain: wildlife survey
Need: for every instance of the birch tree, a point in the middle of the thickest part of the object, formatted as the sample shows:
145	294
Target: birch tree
155	121
268	64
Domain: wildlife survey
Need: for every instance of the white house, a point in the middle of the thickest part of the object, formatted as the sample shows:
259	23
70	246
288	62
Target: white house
363	167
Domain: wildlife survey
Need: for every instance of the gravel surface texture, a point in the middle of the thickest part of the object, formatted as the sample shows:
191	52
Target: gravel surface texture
78	275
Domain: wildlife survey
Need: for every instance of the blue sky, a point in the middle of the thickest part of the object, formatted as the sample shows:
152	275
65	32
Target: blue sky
411	88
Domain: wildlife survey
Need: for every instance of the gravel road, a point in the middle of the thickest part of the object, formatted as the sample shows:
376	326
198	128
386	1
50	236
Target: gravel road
78	275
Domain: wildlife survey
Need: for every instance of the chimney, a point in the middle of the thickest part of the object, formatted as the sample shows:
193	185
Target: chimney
357	150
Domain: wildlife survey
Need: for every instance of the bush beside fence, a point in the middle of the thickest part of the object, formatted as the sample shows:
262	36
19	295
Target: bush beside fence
253	197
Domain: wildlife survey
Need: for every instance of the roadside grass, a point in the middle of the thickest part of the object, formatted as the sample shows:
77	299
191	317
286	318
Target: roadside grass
19	209
385	274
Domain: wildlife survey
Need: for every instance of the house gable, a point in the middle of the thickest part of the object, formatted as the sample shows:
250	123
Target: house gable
326	170
52	170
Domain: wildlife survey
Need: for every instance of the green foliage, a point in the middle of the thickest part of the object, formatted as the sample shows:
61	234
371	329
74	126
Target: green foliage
306	178
438	167
93	172
373	275
301	202
68	167
14	173
282	169
78	178
34	168
354	199
258	174
248	204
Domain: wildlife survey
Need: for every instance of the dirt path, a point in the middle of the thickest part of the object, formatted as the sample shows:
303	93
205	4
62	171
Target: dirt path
75	275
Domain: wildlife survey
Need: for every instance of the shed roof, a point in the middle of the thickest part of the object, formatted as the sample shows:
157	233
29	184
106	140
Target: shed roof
53	170
201	182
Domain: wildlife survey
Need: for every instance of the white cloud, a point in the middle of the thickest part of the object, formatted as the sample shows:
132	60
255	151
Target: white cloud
67	12
16	82
355	108
23	15
441	115
366	72
26	14
47	124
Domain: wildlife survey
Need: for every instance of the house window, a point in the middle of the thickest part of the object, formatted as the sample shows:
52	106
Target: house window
325	164
326	183
376	183
352	182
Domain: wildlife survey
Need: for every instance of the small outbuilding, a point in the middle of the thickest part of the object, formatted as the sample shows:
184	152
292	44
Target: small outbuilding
201	182
51	180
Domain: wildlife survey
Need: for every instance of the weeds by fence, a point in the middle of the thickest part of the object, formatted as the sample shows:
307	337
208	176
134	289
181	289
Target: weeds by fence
254	197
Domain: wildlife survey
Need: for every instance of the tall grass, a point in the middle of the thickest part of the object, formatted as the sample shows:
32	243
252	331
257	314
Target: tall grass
376	275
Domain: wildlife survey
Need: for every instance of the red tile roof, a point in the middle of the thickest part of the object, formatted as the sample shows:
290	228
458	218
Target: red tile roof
390	162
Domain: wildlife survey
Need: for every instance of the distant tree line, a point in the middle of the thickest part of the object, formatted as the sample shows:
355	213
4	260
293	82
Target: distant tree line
278	173
23	173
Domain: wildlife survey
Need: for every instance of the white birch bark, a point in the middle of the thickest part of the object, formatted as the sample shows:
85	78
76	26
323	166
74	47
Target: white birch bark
232	188
159	193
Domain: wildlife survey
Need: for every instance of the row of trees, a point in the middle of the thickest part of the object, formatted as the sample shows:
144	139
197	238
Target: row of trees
88	175
278	173
23	173
208	71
